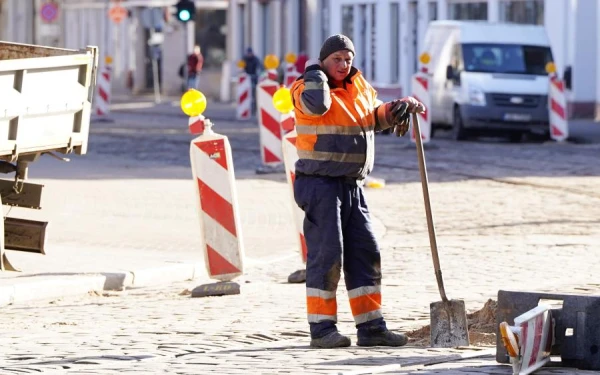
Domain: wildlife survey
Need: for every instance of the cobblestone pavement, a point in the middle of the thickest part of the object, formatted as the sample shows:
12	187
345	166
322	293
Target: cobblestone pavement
508	216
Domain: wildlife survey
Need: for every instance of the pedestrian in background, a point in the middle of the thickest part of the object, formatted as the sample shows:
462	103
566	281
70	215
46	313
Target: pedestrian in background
252	68
337	113
195	62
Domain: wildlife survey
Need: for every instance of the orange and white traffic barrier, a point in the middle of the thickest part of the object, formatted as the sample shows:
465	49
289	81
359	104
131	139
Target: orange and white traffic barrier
212	168
557	105
529	342
290	75
268	75
421	84
290	156
244	96
272	126
103	85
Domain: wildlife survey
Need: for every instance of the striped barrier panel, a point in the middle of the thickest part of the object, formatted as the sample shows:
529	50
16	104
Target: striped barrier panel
220	225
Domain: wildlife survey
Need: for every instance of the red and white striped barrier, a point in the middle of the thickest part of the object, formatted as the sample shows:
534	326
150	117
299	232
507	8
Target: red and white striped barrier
103	86
268	75
557	105
529	341
220	225
272	125
421	84
290	156
244	98
290	75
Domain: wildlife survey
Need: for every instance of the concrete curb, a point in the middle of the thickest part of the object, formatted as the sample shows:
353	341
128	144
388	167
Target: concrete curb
43	287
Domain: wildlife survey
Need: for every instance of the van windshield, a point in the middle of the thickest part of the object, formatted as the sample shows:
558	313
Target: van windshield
506	58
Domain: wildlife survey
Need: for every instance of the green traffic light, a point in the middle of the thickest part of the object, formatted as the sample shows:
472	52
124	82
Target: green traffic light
184	15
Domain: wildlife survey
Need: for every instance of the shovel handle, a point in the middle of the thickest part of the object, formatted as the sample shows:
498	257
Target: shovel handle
428	214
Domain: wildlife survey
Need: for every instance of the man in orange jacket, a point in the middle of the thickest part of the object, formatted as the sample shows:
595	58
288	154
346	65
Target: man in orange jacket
337	114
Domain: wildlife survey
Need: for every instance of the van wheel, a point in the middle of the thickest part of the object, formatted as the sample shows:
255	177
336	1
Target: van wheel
459	132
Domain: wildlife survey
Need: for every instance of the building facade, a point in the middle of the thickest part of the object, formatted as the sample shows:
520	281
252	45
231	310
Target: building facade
86	22
388	34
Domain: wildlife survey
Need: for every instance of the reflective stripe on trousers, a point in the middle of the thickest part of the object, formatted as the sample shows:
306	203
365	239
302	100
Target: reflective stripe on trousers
337	226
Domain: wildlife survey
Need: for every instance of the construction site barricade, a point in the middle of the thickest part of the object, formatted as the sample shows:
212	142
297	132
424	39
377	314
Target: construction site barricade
272	126
557	106
290	155
243	96
421	85
214	178
290	75
103	86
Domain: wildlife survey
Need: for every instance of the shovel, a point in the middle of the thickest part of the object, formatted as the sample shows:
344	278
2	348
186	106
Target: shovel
449	326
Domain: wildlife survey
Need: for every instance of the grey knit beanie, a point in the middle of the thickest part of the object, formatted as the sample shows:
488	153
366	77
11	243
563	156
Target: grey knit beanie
336	43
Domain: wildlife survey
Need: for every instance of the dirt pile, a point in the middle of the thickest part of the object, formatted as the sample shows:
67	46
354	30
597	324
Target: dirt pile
482	328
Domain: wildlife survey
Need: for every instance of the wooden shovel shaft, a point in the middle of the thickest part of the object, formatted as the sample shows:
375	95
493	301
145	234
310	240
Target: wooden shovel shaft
428	214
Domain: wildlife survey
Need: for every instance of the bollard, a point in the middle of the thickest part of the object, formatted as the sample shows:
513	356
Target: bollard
243	95
557	106
421	84
290	74
220	225
103	84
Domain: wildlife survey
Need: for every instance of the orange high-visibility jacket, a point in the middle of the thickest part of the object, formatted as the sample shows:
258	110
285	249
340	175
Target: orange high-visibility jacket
336	126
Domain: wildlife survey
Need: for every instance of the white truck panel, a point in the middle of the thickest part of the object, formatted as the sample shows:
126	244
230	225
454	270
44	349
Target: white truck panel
45	99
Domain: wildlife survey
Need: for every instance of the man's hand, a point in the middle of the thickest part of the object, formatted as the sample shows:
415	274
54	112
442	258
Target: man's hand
401	111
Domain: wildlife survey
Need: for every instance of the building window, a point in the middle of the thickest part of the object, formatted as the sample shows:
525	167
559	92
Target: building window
395	41
348	21
522	11
324	19
432	11
469	11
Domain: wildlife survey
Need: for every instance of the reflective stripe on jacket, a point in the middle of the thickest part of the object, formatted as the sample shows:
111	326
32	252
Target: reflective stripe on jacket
335	125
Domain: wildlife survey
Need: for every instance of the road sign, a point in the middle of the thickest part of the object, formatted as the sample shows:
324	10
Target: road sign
49	11
117	13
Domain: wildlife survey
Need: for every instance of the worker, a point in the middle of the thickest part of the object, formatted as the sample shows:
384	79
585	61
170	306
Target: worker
337	113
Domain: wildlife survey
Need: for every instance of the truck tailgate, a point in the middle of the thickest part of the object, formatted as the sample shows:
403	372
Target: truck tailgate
45	99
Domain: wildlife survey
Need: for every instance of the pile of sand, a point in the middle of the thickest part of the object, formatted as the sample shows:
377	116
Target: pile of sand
482	328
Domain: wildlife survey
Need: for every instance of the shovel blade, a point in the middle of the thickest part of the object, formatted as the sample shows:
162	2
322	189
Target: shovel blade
449	327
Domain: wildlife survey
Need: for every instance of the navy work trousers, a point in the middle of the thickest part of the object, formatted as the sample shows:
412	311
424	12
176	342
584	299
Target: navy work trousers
337	226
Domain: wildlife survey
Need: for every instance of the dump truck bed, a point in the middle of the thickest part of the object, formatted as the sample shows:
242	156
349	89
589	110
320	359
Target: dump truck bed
45	99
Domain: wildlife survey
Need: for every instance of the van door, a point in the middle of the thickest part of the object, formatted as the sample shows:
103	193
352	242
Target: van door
451	86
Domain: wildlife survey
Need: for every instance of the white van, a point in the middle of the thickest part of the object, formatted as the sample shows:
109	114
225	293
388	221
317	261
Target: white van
488	78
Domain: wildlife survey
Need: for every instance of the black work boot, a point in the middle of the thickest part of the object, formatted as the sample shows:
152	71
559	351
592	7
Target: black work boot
331	340
385	338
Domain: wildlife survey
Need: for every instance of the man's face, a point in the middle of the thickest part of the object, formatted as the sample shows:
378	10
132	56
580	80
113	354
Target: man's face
338	64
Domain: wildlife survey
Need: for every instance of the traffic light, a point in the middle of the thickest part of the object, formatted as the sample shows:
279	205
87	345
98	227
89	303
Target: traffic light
186	10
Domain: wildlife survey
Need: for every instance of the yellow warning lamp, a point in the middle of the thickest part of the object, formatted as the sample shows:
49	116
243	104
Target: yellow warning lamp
510	340
271	62
550	68
290	58
282	100
241	64
425	58
193	103
108	60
